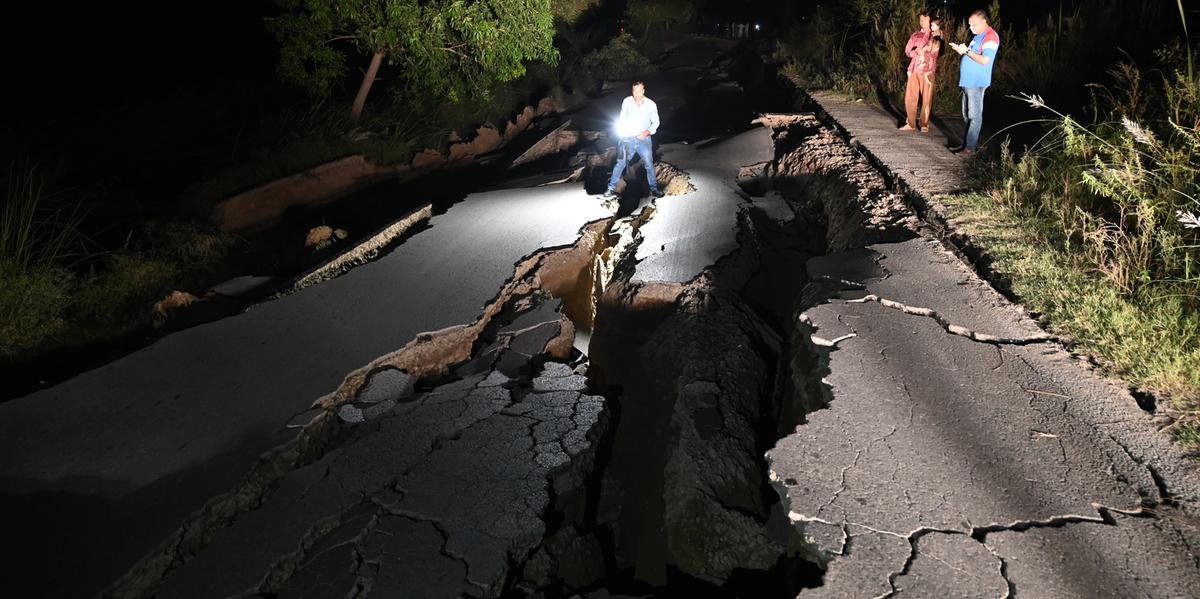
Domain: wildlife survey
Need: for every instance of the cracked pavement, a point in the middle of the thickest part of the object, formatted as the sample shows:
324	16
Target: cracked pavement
436	497
962	453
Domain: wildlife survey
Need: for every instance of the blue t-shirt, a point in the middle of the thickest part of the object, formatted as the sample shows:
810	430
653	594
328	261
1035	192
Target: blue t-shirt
973	74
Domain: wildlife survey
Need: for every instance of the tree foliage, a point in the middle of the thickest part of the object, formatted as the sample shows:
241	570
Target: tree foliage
646	14
450	48
617	59
570	10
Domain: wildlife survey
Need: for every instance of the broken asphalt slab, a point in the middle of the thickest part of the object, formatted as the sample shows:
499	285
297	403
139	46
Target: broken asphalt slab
690	232
435	498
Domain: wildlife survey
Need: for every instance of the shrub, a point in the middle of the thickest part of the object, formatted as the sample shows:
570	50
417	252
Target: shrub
120	298
814	52
1118	189
32	302
38	236
618	59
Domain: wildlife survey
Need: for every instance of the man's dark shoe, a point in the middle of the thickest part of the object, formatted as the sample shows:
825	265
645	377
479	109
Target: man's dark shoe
656	193
609	194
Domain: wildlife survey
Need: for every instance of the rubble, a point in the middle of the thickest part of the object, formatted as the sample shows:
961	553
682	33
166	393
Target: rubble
174	301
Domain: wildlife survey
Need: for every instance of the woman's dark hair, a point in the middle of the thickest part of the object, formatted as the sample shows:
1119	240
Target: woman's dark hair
936	17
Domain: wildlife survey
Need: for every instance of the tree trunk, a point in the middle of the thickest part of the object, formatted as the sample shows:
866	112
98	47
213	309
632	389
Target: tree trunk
365	88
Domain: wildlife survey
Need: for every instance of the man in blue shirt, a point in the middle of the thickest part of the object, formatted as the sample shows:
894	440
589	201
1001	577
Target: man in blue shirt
638	121
975	74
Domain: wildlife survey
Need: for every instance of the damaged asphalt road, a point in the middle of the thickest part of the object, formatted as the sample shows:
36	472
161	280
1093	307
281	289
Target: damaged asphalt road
768	383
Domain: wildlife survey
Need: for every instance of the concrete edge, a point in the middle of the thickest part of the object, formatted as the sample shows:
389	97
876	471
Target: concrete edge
363	252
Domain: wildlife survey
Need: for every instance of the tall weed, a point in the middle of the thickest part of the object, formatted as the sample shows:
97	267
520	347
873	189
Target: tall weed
1119	188
36	232
38	236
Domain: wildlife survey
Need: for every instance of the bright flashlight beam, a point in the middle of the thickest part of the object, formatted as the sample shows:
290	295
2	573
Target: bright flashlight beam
626	128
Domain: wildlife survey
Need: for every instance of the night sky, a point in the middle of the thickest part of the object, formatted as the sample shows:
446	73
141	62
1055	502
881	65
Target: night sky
91	55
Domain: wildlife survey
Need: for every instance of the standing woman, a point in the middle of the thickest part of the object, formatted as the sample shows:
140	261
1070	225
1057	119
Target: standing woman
912	89
922	49
928	82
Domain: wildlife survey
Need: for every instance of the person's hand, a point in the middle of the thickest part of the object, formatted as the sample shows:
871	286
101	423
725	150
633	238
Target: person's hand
644	134
960	48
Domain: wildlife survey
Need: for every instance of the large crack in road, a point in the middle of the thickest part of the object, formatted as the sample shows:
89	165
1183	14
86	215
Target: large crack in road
727	531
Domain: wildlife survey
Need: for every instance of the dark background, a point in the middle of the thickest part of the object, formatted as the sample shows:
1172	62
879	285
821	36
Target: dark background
88	56
129	103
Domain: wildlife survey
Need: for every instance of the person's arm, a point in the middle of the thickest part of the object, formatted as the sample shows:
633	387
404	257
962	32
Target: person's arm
965	50
988	49
653	122
910	49
983	58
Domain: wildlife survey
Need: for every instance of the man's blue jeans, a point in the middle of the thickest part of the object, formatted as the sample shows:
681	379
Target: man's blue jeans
625	150
972	111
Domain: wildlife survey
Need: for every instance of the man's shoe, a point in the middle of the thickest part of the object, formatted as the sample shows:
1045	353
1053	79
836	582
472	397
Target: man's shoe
609	194
656	193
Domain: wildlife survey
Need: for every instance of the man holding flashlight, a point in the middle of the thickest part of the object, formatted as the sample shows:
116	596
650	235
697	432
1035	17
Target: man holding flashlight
638	121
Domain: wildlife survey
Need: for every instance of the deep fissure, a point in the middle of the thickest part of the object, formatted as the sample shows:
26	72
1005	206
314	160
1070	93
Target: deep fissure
625	507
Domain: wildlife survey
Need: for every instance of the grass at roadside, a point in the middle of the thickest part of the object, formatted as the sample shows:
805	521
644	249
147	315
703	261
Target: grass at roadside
1151	339
47	307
